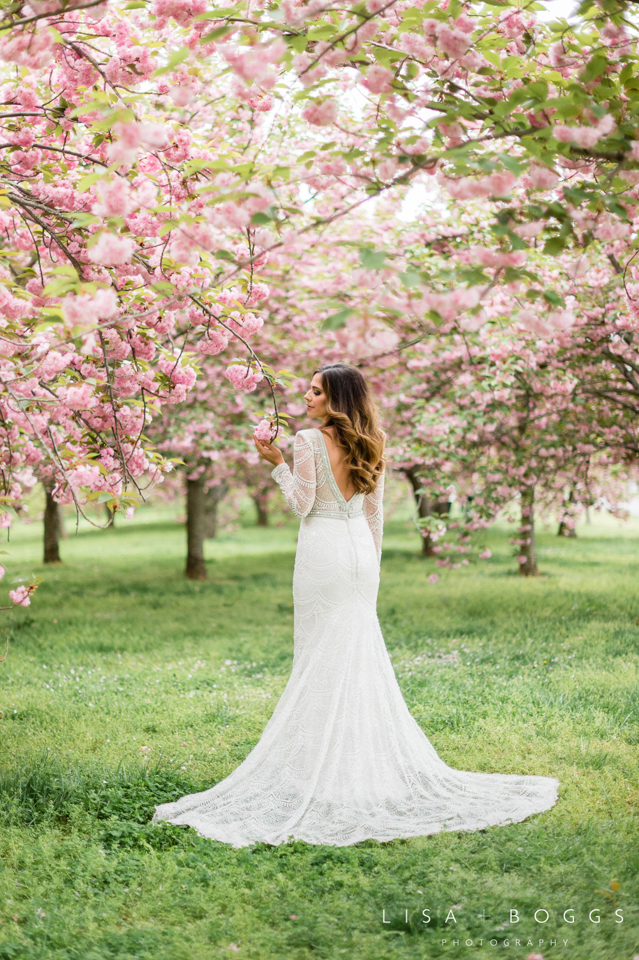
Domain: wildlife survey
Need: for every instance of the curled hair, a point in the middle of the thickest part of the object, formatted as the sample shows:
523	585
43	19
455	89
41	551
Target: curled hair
353	414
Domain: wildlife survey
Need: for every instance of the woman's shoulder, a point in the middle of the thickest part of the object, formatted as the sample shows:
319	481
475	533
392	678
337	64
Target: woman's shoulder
308	435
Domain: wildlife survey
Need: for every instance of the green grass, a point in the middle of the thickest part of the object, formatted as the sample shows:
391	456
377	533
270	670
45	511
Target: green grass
127	685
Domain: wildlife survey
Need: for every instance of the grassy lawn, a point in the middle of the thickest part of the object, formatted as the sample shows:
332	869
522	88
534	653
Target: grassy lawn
127	685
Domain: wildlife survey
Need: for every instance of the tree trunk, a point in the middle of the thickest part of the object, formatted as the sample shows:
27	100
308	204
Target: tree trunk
426	508
212	498
261	505
195	529
52	528
564	530
528	565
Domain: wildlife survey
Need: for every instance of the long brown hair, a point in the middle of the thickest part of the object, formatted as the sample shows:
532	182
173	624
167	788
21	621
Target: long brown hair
353	414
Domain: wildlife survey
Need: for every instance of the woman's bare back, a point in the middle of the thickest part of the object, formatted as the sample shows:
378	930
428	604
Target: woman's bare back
341	470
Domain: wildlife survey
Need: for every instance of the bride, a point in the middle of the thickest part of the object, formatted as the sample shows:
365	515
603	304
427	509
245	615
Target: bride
342	759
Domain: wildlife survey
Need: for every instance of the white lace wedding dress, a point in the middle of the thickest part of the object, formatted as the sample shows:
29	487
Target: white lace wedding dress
341	759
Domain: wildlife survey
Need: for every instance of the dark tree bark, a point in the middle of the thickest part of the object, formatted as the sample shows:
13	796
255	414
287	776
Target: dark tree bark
564	530
52	528
262	512
527	533
260	497
195	529
212	498
426	508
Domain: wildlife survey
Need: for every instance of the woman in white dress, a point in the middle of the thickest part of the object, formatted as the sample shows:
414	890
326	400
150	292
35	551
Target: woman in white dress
341	759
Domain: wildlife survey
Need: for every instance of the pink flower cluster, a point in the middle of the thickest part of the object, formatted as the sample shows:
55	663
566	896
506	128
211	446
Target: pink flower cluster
86	310
111	250
585	137
322	114
243	378
21	596
546	326
213	343
264	430
498	184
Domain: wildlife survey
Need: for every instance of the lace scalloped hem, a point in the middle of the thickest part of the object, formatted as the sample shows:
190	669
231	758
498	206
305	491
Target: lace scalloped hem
323	828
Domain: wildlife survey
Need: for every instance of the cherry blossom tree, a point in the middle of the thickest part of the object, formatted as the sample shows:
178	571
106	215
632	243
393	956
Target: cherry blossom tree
155	156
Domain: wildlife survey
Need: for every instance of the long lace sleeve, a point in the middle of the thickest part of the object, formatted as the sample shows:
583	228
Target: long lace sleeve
298	487
374	513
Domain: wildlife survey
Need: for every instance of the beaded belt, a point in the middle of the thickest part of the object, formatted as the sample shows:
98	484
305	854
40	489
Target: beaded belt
345	512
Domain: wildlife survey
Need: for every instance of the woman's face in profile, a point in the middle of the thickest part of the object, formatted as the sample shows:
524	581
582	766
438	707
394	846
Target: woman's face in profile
316	399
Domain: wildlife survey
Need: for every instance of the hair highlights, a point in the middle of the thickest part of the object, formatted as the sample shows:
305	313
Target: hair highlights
353	414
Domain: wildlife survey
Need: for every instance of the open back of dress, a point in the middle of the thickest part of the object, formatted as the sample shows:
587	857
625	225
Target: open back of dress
341	759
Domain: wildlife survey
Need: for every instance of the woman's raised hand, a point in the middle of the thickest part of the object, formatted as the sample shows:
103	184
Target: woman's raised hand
268	452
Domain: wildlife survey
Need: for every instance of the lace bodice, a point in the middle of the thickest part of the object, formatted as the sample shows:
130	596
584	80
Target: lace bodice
311	487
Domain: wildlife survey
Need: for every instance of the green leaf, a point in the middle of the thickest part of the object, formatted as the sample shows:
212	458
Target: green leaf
167	226
553	298
594	68
297	42
260	218
410	279
337	320
553	247
176	58
323	32
57	288
219	14
215	35
372	259
122	116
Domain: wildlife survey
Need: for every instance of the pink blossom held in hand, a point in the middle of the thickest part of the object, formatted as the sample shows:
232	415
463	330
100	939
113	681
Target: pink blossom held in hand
111	250
264	431
21	596
243	378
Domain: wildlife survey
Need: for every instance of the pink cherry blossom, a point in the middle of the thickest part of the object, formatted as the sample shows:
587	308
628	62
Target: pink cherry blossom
111	250
321	114
378	79
243	378
264	430
21	596
213	343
